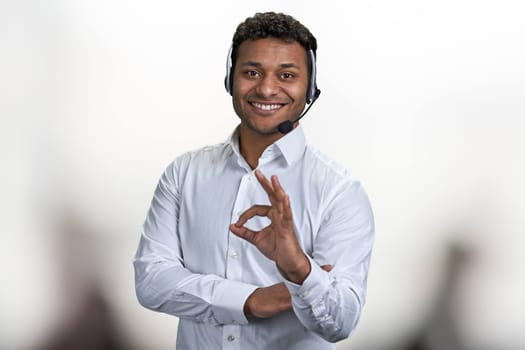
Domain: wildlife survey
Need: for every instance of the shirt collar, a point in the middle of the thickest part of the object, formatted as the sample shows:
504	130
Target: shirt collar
291	146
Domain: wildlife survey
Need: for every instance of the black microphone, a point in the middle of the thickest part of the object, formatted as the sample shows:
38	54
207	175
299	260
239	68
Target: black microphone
287	126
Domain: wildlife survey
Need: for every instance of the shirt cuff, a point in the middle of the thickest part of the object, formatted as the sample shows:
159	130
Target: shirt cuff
314	286
230	298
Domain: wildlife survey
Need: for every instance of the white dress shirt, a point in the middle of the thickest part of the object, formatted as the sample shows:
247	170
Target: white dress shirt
190	265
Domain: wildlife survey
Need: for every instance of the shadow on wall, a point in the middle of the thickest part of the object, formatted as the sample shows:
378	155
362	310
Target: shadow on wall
87	322
439	331
91	328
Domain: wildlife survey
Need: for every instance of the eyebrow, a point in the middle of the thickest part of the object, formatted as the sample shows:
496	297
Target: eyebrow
258	65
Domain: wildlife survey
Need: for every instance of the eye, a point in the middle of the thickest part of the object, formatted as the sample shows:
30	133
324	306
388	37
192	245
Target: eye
287	76
252	73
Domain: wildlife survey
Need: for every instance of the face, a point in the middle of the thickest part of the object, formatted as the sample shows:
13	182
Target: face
269	83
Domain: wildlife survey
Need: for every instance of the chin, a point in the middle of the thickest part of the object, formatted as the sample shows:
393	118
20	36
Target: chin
259	129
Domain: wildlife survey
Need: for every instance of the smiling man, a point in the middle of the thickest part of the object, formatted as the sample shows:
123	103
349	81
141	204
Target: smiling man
271	80
260	242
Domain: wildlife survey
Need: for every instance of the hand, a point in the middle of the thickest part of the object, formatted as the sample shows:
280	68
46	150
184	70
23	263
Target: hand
276	241
269	301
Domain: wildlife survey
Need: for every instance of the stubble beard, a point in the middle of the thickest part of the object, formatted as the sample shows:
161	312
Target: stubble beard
252	127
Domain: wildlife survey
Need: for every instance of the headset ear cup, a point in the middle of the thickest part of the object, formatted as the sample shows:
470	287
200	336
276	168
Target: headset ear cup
228	83
313	91
230	86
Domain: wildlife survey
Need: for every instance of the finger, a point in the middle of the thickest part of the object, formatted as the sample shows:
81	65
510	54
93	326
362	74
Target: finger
280	195
244	232
267	186
327	267
256	210
277	188
287	210
254	237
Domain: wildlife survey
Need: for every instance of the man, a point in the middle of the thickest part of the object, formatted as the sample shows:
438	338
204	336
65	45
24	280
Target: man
260	242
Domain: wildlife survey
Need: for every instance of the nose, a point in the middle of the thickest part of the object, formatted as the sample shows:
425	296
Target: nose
268	86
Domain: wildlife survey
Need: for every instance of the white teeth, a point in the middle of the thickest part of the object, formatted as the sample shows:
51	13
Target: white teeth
266	107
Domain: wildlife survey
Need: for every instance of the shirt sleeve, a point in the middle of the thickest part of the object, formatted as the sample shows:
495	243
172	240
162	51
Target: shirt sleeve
330	303
162	282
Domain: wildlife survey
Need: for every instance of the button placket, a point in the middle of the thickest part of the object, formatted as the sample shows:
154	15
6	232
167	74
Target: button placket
233	268
231	334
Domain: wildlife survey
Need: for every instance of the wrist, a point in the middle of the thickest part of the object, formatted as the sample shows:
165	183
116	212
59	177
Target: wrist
247	309
298	273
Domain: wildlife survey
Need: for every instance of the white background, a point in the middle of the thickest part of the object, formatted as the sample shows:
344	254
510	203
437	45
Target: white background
422	100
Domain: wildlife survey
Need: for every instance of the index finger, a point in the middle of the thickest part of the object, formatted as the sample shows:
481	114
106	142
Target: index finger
256	210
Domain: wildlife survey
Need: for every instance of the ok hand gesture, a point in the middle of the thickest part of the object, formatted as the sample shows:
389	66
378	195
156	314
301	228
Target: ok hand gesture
277	241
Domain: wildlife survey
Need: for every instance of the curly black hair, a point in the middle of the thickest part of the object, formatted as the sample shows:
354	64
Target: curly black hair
275	25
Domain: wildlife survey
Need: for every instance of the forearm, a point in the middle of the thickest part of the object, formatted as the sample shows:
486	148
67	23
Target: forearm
170	288
326	303
268	301
162	281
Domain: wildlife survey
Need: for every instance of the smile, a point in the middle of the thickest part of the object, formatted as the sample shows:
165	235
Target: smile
266	107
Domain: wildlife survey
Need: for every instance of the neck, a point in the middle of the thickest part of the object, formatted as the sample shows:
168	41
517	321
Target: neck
253	144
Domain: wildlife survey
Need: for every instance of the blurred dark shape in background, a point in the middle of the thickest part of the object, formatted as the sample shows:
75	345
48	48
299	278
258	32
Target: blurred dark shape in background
439	331
93	328
87	322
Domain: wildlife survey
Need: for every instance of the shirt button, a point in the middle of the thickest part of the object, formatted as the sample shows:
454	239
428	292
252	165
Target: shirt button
234	255
231	338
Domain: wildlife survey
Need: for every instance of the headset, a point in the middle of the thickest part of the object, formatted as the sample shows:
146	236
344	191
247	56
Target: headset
312	94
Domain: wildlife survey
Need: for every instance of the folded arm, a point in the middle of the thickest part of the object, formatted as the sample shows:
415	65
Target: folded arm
164	284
